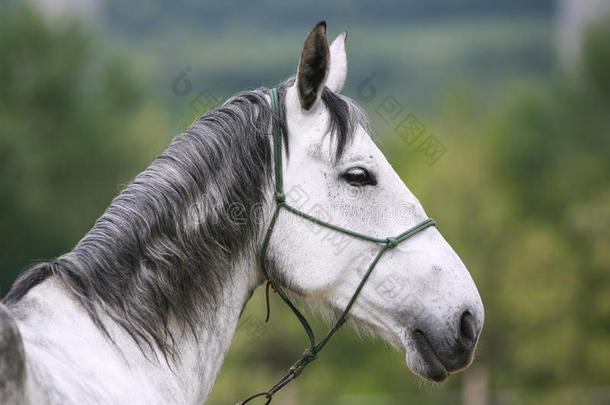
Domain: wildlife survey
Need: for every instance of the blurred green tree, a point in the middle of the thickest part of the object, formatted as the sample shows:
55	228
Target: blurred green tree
553	156
73	125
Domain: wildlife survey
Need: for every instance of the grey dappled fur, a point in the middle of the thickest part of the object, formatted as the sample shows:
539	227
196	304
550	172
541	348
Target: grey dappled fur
12	361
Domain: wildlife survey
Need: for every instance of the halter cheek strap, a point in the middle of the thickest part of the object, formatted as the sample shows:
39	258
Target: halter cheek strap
314	348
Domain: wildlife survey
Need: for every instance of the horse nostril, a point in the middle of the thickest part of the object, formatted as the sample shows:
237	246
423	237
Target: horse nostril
467	329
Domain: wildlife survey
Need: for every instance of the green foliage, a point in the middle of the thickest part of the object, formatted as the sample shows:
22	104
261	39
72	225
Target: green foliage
73	126
596	57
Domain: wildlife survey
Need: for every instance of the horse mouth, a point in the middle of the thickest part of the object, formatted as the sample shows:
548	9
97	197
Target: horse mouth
429	365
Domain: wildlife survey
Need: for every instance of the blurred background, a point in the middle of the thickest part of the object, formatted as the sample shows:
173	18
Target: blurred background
509	102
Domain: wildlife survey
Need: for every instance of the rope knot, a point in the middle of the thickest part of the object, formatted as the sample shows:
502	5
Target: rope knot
298	367
392	242
280	197
309	355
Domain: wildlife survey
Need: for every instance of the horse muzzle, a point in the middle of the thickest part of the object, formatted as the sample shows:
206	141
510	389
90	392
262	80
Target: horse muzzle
434	352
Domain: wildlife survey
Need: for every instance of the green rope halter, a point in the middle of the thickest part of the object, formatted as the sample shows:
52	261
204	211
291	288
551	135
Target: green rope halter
312	351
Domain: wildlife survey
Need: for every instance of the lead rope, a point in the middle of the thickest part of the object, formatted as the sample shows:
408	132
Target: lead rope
311	353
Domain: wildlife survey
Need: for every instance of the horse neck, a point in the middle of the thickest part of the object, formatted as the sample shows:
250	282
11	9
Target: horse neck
122	372
202	359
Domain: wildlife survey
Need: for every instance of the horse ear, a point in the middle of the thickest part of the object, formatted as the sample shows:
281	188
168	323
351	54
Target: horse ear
313	66
338	64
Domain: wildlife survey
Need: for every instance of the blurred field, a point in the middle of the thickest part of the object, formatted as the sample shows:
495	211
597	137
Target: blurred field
522	191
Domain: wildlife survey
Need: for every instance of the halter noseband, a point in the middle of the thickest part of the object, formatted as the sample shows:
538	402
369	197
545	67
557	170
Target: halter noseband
311	352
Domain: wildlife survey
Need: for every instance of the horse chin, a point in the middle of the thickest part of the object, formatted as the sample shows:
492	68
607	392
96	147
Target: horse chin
421	358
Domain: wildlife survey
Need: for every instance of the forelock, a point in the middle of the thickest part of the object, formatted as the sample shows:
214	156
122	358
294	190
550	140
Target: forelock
345	117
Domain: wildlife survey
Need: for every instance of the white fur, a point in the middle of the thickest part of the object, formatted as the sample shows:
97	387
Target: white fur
338	64
73	363
425	269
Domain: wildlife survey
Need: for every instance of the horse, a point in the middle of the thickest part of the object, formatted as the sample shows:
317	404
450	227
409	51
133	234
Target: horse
143	309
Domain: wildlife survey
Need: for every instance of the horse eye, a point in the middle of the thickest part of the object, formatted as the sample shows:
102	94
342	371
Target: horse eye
357	176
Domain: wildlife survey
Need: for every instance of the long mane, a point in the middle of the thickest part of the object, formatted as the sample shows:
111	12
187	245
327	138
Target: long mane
165	244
